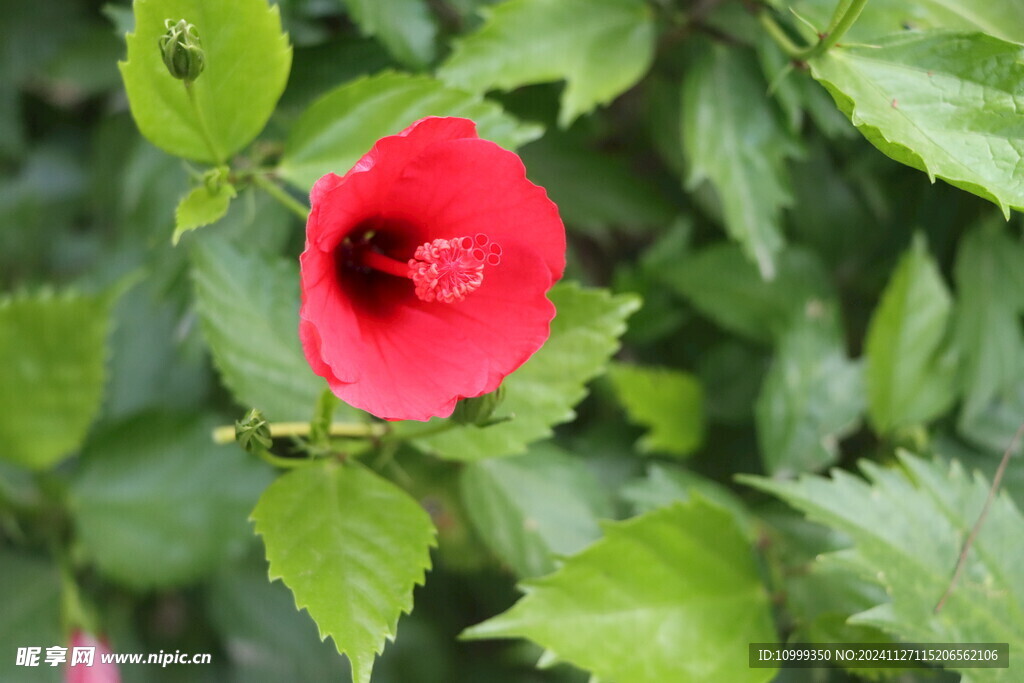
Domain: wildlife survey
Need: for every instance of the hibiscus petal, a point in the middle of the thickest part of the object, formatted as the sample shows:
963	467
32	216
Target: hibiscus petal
469	186
341	203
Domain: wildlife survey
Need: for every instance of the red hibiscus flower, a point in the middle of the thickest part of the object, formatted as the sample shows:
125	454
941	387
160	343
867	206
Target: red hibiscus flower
425	272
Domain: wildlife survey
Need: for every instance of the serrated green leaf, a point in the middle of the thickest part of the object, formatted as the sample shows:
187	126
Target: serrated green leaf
542	393
201	207
909	373
812	396
989	276
609	48
157	503
885	17
668	402
735	138
30	594
351	546
52	352
530	508
945	103
913	560
678	579
725	286
247	63
249	307
344	124
406	27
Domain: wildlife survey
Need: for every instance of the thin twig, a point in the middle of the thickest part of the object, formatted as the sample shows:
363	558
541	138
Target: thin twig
996	480
289	202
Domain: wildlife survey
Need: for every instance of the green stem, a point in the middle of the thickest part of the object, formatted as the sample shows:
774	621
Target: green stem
779	35
837	15
839	28
226	434
203	129
844	17
284	463
271	188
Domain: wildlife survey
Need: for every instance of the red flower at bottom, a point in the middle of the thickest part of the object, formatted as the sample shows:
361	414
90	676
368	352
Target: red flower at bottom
85	660
425	272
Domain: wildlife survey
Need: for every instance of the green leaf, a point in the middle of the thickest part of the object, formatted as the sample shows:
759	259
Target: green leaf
344	124
989	275
909	374
735	138
530	508
351	546
406	27
247	63
723	285
30	594
52	352
942	102
542	393
249	307
608	48
669	402
157	503
885	17
201	207
679	579
812	396
913	559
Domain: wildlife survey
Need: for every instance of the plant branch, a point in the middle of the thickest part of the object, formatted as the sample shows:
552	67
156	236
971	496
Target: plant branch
996	480
271	188
226	434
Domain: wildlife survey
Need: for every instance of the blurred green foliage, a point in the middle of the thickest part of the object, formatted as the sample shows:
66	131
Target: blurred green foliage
807	303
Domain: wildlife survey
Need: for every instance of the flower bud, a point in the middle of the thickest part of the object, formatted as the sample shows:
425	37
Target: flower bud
180	48
85	660
477	411
253	432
